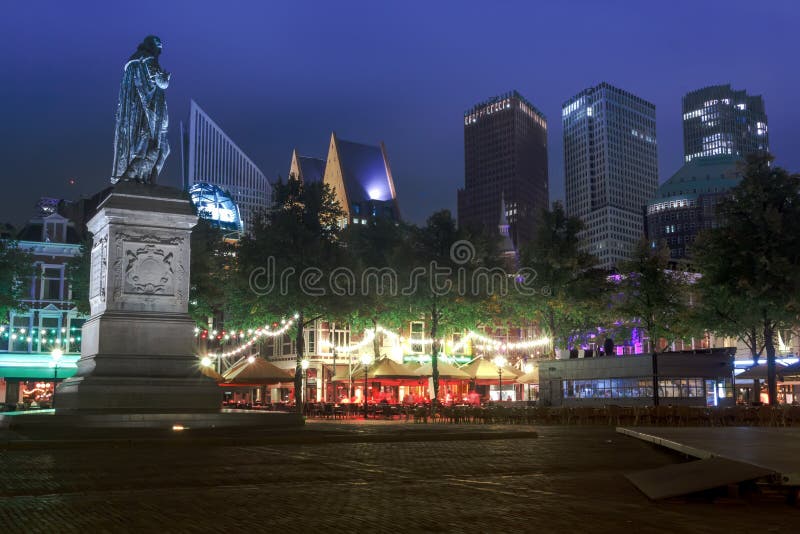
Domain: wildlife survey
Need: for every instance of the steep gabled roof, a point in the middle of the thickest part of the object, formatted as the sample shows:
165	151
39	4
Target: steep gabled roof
361	172
365	173
307	169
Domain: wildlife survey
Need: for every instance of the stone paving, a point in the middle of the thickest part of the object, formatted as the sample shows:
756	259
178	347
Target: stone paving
569	479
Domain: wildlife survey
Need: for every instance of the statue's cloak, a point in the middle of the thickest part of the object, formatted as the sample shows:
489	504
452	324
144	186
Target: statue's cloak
140	140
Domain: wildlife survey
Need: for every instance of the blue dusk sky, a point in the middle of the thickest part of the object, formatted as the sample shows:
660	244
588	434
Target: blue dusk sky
279	75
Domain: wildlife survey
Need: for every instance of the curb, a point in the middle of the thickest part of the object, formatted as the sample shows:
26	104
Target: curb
317	438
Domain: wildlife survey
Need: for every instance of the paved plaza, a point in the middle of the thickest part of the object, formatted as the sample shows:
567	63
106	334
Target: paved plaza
374	477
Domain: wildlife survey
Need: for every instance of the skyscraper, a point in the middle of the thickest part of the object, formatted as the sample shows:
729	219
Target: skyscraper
505	161
610	167
718	120
211	157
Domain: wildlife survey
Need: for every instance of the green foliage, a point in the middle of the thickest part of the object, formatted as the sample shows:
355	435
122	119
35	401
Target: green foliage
751	263
292	250
211	260
301	233
16	268
571	294
657	297
374	254
435	265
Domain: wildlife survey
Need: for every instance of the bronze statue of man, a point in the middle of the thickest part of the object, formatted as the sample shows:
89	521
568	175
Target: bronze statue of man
140	140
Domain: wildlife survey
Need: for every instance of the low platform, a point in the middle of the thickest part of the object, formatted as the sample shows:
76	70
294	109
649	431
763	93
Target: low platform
48	422
727	455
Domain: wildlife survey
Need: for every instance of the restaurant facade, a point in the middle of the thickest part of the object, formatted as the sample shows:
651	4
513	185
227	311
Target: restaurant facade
40	343
691	378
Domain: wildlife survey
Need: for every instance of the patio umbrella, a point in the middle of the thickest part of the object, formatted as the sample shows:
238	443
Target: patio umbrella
209	371
530	378
386	369
259	371
481	369
341	373
446	371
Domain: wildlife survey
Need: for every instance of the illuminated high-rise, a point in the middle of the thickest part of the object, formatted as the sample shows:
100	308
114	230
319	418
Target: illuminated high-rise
505	166
610	168
719	121
211	157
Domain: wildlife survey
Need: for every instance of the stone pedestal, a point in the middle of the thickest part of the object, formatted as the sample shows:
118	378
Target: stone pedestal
136	353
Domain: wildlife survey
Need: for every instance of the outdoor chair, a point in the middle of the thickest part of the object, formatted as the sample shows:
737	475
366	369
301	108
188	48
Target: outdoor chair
718	416
791	416
421	415
746	416
614	414
663	415
767	416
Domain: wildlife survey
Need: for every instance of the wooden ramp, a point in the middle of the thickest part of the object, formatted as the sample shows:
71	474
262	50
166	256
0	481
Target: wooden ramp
694	476
727	455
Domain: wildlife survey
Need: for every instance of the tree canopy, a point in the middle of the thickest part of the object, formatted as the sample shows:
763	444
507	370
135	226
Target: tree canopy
752	260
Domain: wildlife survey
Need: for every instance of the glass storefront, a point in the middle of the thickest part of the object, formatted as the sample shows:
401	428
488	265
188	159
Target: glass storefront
608	388
642	387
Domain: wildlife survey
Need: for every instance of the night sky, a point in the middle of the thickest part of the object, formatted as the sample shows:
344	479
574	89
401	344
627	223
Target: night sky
280	75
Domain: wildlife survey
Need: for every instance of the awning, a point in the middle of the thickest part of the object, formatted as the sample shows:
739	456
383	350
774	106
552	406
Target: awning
760	372
792	371
446	371
36	366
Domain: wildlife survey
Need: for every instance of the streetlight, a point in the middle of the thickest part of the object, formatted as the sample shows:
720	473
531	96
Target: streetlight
56	354
304	364
366	359
500	362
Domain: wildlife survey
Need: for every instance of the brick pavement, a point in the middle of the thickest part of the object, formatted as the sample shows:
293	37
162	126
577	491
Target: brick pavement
570	479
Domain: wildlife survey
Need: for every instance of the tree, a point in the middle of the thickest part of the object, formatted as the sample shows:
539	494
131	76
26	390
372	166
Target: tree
292	249
211	263
723	311
443	289
753	258
374	253
16	266
656	297
569	289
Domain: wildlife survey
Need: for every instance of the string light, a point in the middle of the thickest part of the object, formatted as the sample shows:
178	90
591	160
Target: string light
369	337
499	345
257	334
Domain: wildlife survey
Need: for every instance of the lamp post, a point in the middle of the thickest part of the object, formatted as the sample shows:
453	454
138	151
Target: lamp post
56	354
366	359
304	364
500	362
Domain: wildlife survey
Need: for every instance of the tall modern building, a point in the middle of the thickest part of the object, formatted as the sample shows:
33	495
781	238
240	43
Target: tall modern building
211	157
610	167
718	120
687	203
505	163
